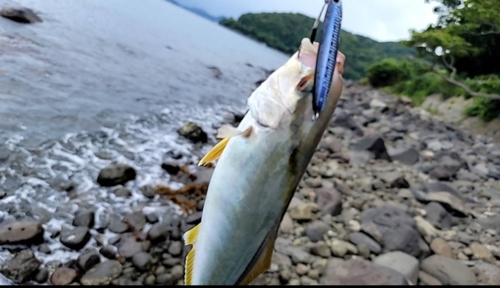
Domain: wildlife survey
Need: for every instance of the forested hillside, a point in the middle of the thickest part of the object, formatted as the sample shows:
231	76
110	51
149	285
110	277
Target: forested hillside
283	31
462	58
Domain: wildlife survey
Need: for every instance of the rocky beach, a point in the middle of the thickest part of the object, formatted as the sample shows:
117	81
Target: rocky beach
392	196
99	146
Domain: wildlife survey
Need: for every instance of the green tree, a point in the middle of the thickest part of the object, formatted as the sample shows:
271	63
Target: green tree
463	43
283	31
387	72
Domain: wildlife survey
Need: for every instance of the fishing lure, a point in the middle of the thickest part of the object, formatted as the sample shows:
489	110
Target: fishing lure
327	53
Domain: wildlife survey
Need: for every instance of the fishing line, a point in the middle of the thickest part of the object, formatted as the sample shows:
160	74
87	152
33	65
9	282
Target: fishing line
316	23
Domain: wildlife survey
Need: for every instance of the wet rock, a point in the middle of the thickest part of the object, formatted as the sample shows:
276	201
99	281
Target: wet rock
394	228
408	156
316	230
21	232
21	267
41	276
76	238
148	191
87	260
63	276
2	192
171	168
329	201
373	144
122	192
359	272
117	174
361	238
142	261
194	218
108	252
158	232
129	247
448	271
405	264
118	226
103	273
152	218
20	15
136	220
193	132
84	218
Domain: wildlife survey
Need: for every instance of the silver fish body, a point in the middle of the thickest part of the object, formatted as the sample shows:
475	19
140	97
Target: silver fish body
256	176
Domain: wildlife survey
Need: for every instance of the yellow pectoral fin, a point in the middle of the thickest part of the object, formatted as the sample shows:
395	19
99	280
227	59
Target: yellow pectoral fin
190	239
226	132
262	265
214	153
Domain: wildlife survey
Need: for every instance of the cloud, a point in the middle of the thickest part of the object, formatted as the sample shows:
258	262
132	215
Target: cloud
382	20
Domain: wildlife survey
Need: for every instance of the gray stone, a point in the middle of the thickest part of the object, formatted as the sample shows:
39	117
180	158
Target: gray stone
20	267
76	238
405	264
359	272
103	273
361	238
448	271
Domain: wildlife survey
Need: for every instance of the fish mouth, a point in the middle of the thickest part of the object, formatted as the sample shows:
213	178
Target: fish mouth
308	52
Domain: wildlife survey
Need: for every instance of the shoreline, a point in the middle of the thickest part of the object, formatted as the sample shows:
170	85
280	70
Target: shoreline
390	195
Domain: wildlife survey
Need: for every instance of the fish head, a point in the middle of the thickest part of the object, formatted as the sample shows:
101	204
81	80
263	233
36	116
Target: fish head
286	95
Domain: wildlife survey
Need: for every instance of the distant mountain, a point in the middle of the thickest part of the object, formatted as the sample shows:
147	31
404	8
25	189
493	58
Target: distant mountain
283	31
198	11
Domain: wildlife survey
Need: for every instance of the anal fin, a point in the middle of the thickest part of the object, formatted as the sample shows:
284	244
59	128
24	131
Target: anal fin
190	239
264	262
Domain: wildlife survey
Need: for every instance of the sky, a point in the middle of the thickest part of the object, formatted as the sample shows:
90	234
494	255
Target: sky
382	20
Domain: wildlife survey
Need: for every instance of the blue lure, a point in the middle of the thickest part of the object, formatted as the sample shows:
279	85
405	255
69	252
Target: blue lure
327	53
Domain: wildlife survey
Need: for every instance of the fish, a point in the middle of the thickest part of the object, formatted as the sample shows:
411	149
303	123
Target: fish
327	54
259	166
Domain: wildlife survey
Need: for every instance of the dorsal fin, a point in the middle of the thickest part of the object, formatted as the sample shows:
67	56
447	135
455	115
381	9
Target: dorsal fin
190	239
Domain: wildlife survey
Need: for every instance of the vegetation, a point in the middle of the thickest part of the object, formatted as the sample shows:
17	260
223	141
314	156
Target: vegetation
283	31
456	56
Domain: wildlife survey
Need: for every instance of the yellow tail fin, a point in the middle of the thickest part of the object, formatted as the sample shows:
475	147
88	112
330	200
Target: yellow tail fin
190	239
